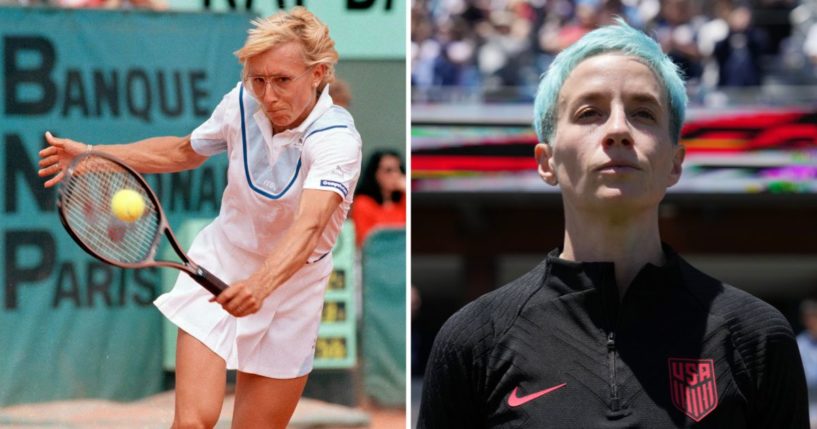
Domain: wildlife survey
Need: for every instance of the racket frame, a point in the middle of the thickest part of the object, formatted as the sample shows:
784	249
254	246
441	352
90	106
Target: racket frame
195	271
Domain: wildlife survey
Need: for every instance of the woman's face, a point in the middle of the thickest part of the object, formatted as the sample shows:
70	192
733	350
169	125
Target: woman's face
283	84
388	173
612	148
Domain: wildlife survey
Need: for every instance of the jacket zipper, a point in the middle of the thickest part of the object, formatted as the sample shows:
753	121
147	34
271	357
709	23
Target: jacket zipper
613	304
615	402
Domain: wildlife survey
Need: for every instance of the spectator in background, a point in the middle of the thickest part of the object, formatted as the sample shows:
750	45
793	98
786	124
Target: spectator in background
807	342
586	18
772	18
506	51
739	54
799	52
810	44
454	66
708	34
618	8
424	48
381	195
341	93
676	31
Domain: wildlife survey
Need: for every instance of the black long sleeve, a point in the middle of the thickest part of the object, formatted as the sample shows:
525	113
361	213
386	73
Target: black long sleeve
450	397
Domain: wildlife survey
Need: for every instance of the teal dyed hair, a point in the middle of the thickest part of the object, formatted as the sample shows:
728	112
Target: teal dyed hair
617	38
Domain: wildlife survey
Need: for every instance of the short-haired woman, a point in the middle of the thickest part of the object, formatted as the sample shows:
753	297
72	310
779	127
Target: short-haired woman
294	161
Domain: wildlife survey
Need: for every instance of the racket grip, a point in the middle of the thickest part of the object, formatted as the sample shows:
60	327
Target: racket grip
209	281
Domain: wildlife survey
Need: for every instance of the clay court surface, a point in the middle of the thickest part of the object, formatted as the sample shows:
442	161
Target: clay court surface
156	412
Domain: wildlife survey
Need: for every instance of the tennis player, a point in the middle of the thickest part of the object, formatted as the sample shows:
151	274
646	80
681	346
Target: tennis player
294	160
613	329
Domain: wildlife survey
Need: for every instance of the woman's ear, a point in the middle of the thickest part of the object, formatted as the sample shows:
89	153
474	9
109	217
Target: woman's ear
544	158
318	72
677	165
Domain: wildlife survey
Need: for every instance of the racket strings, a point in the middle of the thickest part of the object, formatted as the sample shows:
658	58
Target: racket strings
118	243
86	200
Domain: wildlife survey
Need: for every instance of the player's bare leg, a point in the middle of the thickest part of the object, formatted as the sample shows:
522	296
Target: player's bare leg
201	378
262	402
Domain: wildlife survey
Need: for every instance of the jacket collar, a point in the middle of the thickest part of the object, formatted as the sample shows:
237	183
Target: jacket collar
567	277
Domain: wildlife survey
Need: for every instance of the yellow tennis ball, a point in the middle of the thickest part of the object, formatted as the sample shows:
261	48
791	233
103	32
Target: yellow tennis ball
127	205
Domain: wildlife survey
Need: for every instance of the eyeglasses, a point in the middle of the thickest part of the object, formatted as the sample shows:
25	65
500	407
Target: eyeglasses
389	170
280	84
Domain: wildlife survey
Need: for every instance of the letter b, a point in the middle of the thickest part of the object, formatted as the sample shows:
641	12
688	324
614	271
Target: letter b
16	75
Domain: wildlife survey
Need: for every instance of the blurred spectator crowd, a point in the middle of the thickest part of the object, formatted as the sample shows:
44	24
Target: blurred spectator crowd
158	5
497	49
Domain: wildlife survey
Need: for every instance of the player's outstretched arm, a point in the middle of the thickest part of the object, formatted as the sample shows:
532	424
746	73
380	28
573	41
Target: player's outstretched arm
154	155
315	209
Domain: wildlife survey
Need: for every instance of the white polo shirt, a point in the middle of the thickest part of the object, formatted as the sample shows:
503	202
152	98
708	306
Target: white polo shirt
268	173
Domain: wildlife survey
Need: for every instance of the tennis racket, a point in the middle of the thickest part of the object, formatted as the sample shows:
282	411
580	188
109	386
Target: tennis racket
84	203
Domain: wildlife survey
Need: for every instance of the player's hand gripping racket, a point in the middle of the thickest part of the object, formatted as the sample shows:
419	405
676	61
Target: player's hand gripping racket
120	231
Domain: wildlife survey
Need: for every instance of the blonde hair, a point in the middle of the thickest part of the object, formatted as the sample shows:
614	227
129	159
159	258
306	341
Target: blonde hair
298	25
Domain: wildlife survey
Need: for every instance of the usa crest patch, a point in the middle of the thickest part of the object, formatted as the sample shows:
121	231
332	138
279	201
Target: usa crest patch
692	386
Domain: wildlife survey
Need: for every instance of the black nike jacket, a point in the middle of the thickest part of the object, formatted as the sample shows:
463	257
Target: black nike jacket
557	348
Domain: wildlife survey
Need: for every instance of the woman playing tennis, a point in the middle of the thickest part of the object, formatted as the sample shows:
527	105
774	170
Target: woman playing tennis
294	160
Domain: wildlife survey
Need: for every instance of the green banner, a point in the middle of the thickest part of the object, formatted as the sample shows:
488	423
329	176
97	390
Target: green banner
384	316
362	29
71	326
336	346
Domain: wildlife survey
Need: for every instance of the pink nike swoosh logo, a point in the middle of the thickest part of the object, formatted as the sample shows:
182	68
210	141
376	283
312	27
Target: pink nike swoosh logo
515	401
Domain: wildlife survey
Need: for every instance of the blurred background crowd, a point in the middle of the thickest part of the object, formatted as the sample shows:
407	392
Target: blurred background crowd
158	5
495	50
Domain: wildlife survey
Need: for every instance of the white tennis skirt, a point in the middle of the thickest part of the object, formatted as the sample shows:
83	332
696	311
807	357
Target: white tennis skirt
279	340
